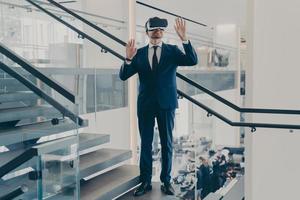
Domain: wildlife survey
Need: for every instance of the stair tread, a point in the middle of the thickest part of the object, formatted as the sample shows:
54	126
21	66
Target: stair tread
101	159
92	139
110	184
25	108
12	114
104	186
33	131
9	82
9	105
89	167
17	96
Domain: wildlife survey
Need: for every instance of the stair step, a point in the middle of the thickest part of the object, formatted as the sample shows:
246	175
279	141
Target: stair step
103	187
9	82
89	140
9	105
30	112
86	141
17	96
34	131
102	159
110	184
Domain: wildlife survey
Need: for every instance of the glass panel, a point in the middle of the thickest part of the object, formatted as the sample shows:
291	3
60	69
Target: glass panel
27	120
59	172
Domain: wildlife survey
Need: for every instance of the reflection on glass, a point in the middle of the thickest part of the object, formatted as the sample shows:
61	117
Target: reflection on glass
59	173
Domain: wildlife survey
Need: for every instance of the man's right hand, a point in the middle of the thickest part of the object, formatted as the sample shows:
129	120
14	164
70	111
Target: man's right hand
130	49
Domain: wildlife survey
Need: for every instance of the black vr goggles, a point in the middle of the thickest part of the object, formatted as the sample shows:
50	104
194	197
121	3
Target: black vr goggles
156	23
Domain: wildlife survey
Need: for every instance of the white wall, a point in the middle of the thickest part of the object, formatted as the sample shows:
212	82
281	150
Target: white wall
112	122
182	119
224	134
272	156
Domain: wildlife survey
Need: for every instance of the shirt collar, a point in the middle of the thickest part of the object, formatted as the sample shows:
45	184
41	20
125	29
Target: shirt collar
151	45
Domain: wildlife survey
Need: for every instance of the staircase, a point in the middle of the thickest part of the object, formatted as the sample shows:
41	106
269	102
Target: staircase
27	130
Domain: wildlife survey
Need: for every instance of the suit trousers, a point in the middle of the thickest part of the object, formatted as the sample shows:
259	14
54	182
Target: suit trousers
146	122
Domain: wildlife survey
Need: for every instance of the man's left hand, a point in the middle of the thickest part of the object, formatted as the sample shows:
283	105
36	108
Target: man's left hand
180	28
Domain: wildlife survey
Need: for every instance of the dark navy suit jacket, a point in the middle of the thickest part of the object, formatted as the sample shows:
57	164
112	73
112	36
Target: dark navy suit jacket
158	87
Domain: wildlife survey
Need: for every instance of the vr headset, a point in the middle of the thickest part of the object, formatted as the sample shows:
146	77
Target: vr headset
156	23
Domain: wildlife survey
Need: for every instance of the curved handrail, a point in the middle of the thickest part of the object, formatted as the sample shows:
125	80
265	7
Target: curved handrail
210	111
35	72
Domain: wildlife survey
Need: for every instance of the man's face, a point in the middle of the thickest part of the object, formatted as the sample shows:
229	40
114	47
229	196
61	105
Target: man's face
155	34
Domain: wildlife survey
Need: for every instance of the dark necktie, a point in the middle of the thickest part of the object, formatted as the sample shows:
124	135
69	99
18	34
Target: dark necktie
154	59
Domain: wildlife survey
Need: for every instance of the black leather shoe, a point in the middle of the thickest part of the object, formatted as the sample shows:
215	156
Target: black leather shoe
167	189
142	189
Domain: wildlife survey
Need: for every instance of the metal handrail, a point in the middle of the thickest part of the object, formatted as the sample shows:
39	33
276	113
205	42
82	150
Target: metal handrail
210	111
235	107
35	72
42	94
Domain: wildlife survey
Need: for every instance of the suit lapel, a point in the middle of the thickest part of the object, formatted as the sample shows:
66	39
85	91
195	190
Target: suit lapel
161	60
162	56
145	56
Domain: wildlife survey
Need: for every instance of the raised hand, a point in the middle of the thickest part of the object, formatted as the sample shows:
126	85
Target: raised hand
130	49
180	28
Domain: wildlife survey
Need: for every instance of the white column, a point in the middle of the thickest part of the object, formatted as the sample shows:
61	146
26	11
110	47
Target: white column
272	81
132	85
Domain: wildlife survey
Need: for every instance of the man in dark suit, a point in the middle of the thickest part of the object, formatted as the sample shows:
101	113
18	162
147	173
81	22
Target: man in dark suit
156	66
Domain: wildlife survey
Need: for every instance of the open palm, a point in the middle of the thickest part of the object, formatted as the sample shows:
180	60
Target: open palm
180	28
130	49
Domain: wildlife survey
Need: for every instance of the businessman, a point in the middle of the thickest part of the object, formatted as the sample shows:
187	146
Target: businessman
156	66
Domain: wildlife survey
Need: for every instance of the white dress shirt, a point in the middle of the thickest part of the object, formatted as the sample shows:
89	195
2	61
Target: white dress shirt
158	51
151	52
